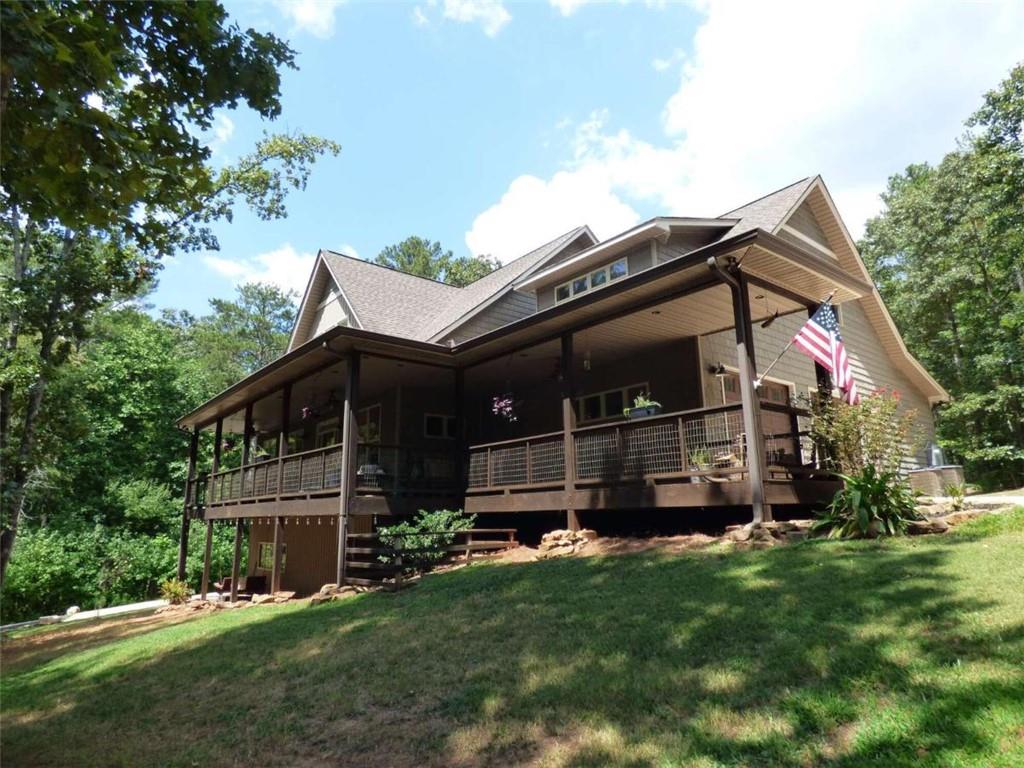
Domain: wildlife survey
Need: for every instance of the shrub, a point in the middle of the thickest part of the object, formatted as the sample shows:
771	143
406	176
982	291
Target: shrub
872	503
175	592
875	432
423	539
956	493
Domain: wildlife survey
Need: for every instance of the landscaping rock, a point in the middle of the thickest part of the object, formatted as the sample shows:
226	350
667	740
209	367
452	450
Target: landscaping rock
262	599
962	516
72	610
562	542
328	589
927	526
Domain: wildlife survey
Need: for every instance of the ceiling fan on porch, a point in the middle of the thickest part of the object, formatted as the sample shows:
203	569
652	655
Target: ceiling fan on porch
772	316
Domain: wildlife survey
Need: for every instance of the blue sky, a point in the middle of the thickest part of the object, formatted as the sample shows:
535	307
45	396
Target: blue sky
494	127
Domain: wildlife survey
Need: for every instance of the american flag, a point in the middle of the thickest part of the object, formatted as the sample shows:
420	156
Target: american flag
819	339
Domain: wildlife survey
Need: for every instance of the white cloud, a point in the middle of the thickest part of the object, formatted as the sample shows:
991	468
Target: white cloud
491	15
419	18
569	7
220	133
534	211
676	57
313	16
284	267
349	250
770	93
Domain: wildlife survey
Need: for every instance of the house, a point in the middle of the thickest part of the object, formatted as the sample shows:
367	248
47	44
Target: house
506	397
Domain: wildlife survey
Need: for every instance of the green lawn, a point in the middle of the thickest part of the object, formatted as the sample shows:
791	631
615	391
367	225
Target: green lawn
902	653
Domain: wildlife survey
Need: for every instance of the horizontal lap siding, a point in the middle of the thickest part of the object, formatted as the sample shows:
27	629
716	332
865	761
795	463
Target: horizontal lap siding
871	367
509	308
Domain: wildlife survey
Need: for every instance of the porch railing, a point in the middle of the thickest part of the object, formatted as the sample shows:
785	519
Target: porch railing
380	468
695	443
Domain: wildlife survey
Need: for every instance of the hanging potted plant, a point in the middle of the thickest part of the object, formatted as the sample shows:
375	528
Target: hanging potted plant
504	405
642	406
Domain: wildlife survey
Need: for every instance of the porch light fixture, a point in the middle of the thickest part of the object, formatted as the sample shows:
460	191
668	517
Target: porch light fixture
717	369
586	361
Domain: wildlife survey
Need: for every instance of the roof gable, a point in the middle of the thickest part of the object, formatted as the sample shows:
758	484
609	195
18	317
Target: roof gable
816	199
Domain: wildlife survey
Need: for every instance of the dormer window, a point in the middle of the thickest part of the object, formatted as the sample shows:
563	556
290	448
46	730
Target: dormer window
594	279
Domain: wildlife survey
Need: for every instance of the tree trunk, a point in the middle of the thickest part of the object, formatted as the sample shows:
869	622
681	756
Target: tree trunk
15	488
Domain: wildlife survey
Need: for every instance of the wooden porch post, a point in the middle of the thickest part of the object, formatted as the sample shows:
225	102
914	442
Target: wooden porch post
190	491
349	456
206	559
749	397
218	438
568	425
460	435
275	571
282	438
235	563
246	440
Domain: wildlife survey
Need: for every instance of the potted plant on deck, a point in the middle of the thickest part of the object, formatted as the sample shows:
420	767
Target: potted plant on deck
642	406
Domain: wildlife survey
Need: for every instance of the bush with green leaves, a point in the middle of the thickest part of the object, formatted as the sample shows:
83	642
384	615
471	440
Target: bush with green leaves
175	592
421	541
870	504
876	432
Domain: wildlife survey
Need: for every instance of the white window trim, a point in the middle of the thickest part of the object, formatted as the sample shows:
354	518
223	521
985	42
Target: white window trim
732	369
587	275
446	419
644	385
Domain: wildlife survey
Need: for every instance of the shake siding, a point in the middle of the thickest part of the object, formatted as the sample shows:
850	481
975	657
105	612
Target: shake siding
871	367
509	308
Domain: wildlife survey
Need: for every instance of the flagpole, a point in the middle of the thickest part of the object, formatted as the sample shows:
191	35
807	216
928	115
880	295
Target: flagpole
760	379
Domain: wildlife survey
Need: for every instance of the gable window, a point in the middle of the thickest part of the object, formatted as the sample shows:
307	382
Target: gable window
607	404
595	279
438	425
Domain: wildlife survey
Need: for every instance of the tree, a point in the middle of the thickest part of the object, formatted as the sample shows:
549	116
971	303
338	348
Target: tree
101	104
103	174
240	336
946	254
419	256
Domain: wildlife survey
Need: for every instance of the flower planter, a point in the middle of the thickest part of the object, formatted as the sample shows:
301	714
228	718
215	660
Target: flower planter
643	412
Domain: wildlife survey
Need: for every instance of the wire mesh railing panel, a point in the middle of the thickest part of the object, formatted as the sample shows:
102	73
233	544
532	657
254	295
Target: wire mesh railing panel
715	440
273	469
651	449
259	479
547	461
508	465
332	468
598	455
290	475
312	472
476	475
236	484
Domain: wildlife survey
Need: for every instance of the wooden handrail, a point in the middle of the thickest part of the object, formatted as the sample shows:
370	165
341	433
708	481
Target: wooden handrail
706	411
500	443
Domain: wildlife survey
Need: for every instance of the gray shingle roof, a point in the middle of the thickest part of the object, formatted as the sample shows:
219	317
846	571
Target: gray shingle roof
386	300
766	212
399	304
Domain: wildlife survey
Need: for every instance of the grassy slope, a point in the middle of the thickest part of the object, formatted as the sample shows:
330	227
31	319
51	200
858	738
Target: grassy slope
903	653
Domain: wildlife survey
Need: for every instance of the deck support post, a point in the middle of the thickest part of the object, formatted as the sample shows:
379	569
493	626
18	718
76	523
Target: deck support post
236	562
191	502
568	425
747	364
460	435
275	571
206	560
349	457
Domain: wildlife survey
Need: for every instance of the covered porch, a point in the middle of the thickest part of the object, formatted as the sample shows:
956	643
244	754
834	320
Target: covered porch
364	428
